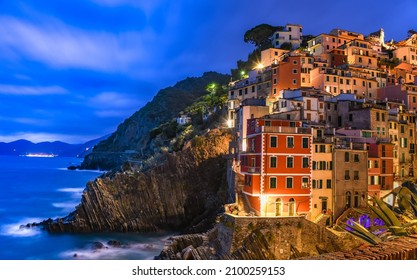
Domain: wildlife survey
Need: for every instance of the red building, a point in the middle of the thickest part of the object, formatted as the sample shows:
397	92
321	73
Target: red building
277	167
380	168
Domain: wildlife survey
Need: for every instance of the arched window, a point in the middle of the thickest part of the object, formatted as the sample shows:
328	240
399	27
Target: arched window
291	207
356	200
278	207
348	200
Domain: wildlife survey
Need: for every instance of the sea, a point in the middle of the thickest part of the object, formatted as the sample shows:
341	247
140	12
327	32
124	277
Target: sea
33	189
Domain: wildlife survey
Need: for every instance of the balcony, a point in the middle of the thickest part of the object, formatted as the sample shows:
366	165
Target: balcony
283	129
254	169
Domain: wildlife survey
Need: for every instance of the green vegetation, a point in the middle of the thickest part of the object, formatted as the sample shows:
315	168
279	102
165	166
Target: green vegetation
260	35
411	32
205	112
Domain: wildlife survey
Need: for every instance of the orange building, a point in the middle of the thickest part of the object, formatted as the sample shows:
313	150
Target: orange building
291	73
277	167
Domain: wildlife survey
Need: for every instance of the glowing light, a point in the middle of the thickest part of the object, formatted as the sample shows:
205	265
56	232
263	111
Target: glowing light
259	66
263	201
229	123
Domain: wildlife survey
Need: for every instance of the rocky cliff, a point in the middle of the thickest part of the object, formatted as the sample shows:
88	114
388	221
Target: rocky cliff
186	191
132	137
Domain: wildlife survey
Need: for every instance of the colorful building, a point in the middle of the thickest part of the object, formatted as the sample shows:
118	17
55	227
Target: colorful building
277	167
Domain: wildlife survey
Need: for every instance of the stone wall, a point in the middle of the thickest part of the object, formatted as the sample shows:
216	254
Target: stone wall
288	237
255	238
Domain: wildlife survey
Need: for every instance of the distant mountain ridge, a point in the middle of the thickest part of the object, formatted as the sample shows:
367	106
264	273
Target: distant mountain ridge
58	148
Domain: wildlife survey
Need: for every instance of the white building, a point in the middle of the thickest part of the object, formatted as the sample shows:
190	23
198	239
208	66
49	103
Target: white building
292	33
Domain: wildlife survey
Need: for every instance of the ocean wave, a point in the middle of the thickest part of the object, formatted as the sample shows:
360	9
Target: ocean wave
132	251
20	230
83	170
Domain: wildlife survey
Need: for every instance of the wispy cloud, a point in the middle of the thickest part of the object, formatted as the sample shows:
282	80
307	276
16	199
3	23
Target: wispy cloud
61	46
31	90
114	104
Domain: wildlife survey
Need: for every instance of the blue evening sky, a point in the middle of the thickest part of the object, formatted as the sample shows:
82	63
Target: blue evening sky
73	70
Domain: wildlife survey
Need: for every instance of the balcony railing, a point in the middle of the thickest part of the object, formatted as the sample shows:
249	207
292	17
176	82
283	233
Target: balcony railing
254	169
283	129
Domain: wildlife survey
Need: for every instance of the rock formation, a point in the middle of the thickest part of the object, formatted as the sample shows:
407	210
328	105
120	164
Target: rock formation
186	191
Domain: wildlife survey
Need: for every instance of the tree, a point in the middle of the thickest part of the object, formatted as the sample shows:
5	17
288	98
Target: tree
260	35
411	32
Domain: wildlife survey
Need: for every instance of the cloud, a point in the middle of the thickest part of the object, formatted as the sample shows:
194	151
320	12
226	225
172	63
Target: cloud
147	6
114	100
61	46
31	90
114	104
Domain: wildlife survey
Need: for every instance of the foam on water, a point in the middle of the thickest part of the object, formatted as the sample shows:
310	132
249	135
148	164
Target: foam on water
19	229
108	252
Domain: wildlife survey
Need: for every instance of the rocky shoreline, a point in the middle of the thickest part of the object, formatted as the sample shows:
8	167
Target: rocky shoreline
186	191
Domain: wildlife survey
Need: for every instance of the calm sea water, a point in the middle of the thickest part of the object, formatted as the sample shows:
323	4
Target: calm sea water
34	189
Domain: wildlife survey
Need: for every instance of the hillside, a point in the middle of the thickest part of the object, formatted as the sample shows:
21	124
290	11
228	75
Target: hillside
131	140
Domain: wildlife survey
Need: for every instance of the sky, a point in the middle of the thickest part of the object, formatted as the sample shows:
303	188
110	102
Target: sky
73	70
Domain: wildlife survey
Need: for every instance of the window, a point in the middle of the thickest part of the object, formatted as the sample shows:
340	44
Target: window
273	162
267	123
272	182
290	142
348	199
290	162
289	182
304	182
305	162
356	200
294	81
294	71
346	156
356	158
355	175
273	142
305	143
376	164
328	184
377	116
347	175
350	117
